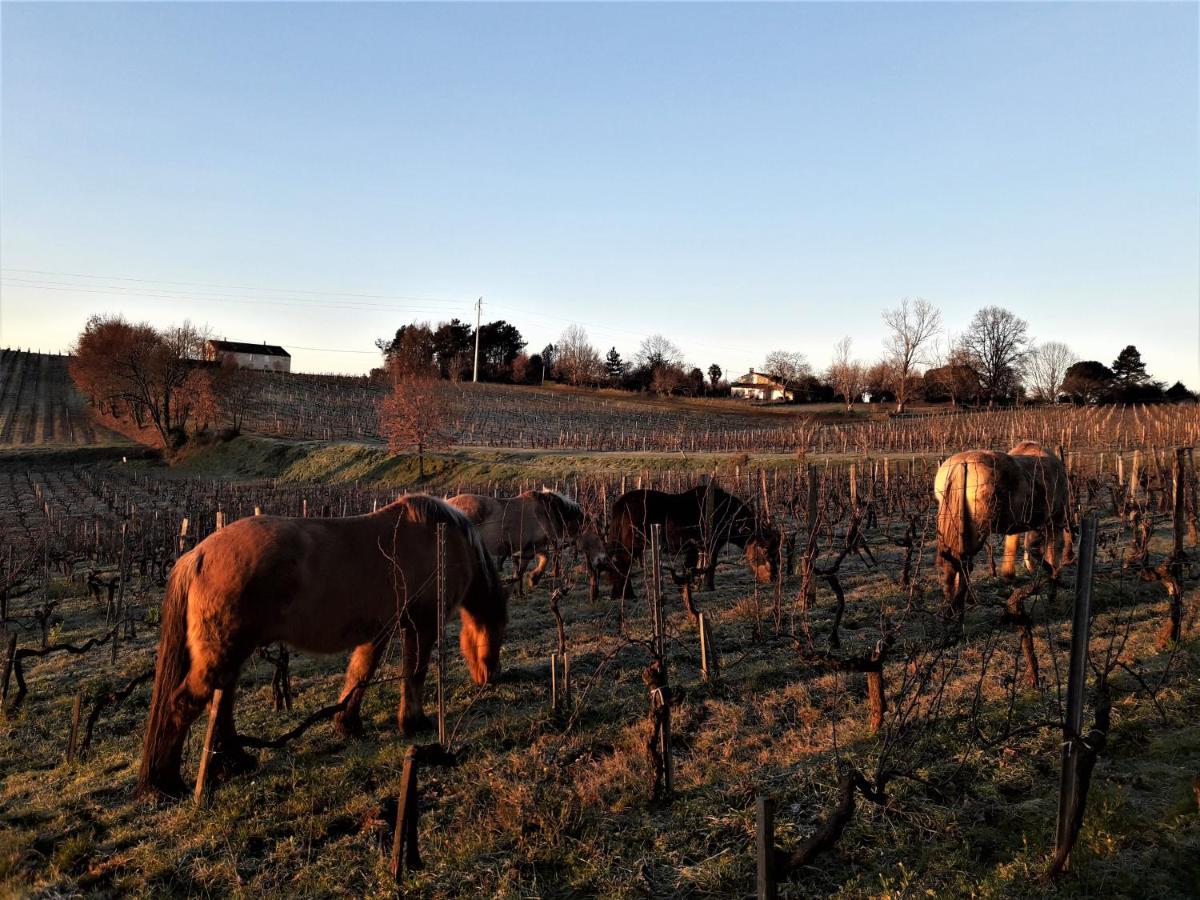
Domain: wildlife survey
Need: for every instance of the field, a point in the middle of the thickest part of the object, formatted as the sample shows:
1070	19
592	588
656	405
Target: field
961	760
39	406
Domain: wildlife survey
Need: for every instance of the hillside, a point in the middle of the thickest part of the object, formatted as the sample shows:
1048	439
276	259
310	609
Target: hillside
39	406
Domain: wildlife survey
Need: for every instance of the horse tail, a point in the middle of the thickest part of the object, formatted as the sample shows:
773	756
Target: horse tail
173	663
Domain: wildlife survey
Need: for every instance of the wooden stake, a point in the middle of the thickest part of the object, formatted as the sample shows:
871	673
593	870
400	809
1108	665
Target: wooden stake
405	852
1077	675
9	656
73	735
214	711
765	848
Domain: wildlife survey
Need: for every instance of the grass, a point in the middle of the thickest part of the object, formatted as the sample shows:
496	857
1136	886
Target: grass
556	805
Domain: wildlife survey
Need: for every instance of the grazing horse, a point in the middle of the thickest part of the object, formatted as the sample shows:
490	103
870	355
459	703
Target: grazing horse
981	492
702	518
532	524
322	585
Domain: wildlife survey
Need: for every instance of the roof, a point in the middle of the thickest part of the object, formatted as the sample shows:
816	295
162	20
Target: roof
242	347
767	381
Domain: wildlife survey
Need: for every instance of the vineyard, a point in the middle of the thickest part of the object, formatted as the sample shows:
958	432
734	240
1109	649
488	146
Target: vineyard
39	406
892	751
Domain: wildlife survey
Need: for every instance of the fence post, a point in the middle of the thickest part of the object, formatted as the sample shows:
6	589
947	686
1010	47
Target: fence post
765	848
441	634
214	711
405	852
710	664
119	609
9	656
1077	674
654	585
73	735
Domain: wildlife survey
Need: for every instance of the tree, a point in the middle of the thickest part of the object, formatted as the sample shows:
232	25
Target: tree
1128	369
614	366
454	349
656	351
412	350
1178	393
996	345
846	374
788	367
881	376
714	375
695	381
1088	381
499	344
954	381
139	371
548	359
667	378
418	413
912	324
1047	368
578	361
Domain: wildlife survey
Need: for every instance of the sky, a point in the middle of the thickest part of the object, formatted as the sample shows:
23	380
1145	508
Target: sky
740	178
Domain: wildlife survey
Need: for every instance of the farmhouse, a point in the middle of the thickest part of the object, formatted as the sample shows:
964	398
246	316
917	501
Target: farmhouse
264	357
757	386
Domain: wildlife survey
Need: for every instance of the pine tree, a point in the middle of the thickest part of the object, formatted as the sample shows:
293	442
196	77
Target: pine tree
614	366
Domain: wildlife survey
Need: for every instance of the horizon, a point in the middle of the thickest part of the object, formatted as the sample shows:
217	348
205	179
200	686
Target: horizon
738	179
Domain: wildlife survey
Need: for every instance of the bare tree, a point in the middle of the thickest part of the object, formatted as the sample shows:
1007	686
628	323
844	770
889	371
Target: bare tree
1047	369
996	345
657	351
847	375
578	362
787	366
913	325
417	414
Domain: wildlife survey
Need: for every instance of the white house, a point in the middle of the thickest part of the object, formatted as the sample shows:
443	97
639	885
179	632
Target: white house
757	386
263	357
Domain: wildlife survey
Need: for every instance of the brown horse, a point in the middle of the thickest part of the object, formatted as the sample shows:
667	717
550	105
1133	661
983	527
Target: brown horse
533	524
982	492
703	518
322	585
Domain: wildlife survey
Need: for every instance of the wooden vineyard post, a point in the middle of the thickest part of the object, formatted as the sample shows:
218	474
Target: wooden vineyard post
560	683
810	517
764	848
853	486
73	734
553	681
258	510
654	589
1076	676
1174	626
710	663
9	655
183	535
214	711
441	634
119	610
659	745
406	855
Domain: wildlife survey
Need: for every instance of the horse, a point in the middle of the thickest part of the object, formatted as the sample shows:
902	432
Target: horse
705	518
981	492
321	585
533	524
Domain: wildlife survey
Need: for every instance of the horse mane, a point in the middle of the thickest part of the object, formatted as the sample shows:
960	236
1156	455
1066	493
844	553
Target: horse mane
572	507
423	509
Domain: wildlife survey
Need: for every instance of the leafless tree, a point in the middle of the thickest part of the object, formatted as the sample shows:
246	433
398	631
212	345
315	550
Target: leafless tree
996	345
847	375
787	366
417	414
657	351
1047	369
913	324
576	360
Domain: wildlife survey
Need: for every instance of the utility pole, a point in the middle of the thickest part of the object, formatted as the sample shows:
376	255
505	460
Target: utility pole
478	316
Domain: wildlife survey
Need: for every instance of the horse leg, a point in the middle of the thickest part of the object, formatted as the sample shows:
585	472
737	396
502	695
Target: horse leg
690	561
229	756
520	561
186	703
364	659
621	574
543	560
413	667
1008	568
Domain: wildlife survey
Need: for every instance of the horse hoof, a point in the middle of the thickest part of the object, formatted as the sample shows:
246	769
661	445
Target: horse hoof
232	764
415	725
348	726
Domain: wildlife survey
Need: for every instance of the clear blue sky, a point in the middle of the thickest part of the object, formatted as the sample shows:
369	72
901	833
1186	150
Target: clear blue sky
740	178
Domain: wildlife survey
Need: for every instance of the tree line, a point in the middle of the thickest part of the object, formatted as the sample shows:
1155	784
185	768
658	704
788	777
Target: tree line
995	360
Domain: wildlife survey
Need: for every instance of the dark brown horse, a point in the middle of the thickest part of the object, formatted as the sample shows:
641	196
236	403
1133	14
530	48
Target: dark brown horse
322	585
699	520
